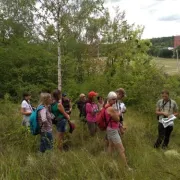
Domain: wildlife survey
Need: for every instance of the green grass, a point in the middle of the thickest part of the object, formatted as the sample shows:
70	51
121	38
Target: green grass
86	159
168	65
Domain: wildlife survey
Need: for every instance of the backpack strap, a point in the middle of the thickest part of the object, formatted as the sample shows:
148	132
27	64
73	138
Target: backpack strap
39	108
29	104
105	116
118	105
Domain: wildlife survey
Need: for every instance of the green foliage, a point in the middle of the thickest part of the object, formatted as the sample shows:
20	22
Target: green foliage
32	62
165	53
97	53
86	158
31	68
158	45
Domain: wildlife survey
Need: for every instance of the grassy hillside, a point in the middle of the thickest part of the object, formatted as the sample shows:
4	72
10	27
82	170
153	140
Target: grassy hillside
168	65
86	159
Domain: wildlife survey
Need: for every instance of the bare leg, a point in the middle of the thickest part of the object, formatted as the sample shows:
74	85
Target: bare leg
121	151
60	136
110	147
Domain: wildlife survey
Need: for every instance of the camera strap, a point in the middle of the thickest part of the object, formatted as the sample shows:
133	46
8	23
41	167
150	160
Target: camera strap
164	103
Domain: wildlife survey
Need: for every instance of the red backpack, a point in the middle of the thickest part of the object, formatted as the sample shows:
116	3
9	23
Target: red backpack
101	120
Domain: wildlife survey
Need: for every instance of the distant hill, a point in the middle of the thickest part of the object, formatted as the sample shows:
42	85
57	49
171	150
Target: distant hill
160	45
163	41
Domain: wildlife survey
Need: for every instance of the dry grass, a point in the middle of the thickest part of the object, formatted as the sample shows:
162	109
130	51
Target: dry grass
171	66
86	158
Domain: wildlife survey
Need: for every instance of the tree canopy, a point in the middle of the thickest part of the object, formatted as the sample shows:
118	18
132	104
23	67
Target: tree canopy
97	52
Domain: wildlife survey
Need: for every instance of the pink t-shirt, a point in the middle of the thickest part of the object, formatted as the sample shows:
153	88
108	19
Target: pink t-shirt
112	124
90	108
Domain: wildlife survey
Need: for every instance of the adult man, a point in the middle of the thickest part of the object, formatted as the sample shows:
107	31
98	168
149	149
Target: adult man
164	108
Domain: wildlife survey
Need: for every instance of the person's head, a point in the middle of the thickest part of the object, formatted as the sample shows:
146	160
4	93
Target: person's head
100	99
112	97
165	95
92	96
26	96
82	97
45	99
120	93
56	95
64	96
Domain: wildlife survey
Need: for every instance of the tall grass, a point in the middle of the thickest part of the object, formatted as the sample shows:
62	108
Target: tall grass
86	158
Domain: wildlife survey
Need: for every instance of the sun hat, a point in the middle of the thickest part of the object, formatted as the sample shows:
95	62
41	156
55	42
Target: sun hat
112	95
92	94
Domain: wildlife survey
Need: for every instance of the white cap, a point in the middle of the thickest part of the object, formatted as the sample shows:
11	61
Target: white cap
112	95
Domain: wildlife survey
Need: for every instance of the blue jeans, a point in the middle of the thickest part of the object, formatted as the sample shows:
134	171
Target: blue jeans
61	125
46	142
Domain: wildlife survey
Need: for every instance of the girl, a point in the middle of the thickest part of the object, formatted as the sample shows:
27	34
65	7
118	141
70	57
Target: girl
61	116
26	109
114	139
45	122
91	110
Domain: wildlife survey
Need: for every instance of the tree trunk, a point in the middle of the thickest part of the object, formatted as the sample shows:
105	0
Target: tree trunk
59	48
59	67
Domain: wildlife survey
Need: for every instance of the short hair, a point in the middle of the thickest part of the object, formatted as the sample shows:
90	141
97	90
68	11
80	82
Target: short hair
121	90
165	92
111	95
44	97
25	94
82	95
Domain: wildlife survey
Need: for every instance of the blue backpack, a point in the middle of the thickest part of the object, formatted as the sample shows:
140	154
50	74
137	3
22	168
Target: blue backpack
34	124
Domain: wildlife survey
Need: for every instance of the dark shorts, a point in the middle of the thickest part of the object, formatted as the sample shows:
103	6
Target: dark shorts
61	125
46	141
92	126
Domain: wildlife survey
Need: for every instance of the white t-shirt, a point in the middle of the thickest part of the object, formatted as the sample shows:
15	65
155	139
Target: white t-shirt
27	108
119	106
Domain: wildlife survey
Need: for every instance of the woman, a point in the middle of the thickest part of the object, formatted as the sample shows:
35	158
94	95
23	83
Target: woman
26	109
119	105
114	139
100	102
91	110
61	116
45	122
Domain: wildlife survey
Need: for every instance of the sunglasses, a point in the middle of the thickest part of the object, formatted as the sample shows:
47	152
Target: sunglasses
114	99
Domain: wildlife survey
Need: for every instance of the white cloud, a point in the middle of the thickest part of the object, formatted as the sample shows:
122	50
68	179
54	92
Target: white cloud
160	17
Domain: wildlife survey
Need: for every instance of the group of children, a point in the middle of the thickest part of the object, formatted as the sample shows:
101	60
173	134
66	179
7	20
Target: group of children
93	104
114	115
56	109
57	106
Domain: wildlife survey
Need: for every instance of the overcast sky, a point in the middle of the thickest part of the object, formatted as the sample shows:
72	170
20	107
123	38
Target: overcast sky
161	18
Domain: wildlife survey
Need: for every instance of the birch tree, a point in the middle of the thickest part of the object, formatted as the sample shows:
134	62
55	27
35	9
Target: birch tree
68	18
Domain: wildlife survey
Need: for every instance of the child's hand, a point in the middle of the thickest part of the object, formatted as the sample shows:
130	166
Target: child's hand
122	130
